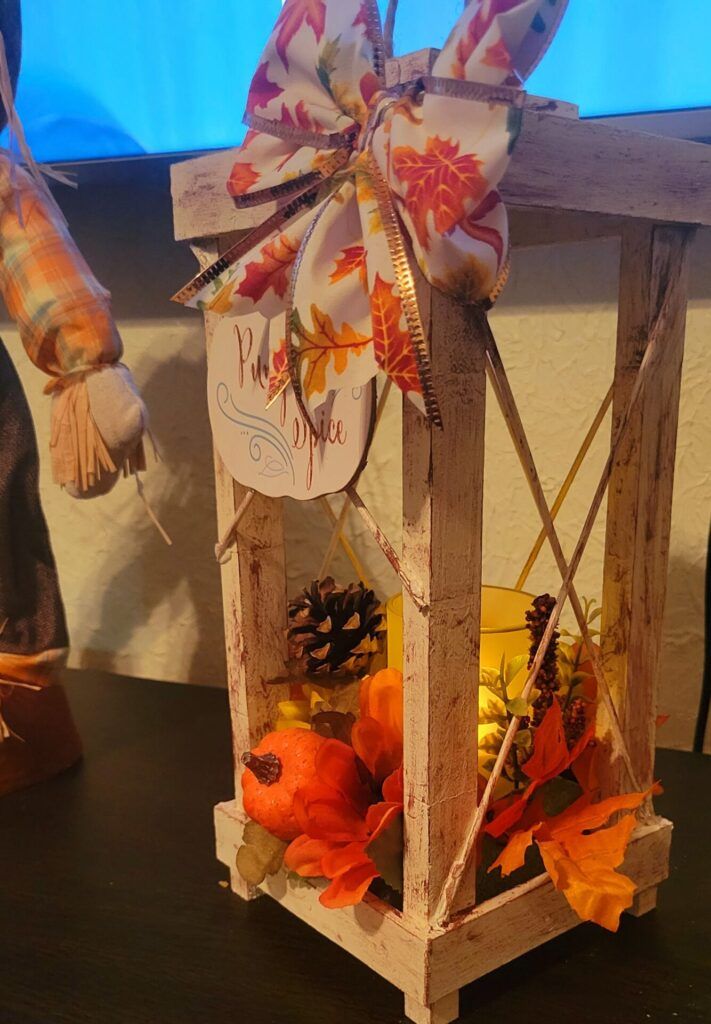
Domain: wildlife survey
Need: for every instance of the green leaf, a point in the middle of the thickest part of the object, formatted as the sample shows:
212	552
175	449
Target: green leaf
386	854
514	667
262	854
595	615
518	707
490	744
523	737
490	716
558	795
250	865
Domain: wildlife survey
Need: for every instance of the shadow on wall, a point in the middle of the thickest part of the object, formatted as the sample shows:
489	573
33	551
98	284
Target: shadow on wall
150	579
682	661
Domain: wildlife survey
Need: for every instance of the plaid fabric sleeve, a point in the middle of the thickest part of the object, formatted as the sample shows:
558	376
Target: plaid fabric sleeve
62	312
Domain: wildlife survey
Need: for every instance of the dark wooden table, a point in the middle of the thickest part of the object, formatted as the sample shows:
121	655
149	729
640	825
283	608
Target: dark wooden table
111	910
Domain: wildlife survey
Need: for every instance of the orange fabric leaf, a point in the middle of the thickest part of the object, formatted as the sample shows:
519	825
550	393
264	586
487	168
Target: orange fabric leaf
550	754
392	345
594	890
581	862
550	758
271	270
512	814
607	845
584	815
513	856
585	768
242	178
325	344
351	261
293	15
439	181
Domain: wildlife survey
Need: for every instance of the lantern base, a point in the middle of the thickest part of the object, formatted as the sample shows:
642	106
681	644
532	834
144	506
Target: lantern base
430	965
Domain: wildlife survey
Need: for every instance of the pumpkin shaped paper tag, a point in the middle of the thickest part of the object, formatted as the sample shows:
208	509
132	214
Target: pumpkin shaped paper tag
272	449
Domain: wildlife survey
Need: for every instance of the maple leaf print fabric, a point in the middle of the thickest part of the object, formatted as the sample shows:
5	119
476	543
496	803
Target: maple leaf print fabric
324	124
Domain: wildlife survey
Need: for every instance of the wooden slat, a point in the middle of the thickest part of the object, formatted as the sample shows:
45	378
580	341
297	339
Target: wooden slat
254	608
511	925
530	227
373	932
430	968
442	529
654	265
560	163
201	206
564	164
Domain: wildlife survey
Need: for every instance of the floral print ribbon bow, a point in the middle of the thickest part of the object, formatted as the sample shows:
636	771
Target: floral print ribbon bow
363	175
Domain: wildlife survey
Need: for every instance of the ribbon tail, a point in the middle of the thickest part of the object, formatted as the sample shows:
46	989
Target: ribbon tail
293	327
307	194
406	285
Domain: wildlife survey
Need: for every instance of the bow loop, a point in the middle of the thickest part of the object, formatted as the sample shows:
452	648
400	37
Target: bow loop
369	179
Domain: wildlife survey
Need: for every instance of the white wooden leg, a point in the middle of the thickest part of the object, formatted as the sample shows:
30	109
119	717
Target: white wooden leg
444	1011
644	902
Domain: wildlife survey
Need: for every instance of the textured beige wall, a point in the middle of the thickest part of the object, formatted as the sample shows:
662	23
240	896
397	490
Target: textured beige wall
138	607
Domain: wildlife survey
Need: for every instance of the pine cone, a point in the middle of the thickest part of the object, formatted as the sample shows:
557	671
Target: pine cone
334	630
548	682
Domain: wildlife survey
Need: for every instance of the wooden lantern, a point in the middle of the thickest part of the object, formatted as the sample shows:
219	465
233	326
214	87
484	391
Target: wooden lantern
569	180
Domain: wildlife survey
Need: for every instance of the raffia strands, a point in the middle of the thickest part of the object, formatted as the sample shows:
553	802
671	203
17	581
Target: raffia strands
336	535
338	524
346	545
79	454
505	398
451	886
385	546
566	486
222	548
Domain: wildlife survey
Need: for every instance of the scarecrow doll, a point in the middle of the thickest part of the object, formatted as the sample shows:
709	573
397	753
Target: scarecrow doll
98	422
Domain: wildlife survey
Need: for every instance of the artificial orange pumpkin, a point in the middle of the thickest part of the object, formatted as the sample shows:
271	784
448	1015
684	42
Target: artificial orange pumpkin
282	763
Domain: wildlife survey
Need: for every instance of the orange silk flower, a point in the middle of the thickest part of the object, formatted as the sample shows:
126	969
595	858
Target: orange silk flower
339	822
377	735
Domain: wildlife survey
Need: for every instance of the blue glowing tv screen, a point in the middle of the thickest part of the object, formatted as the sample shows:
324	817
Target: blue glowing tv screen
106	79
